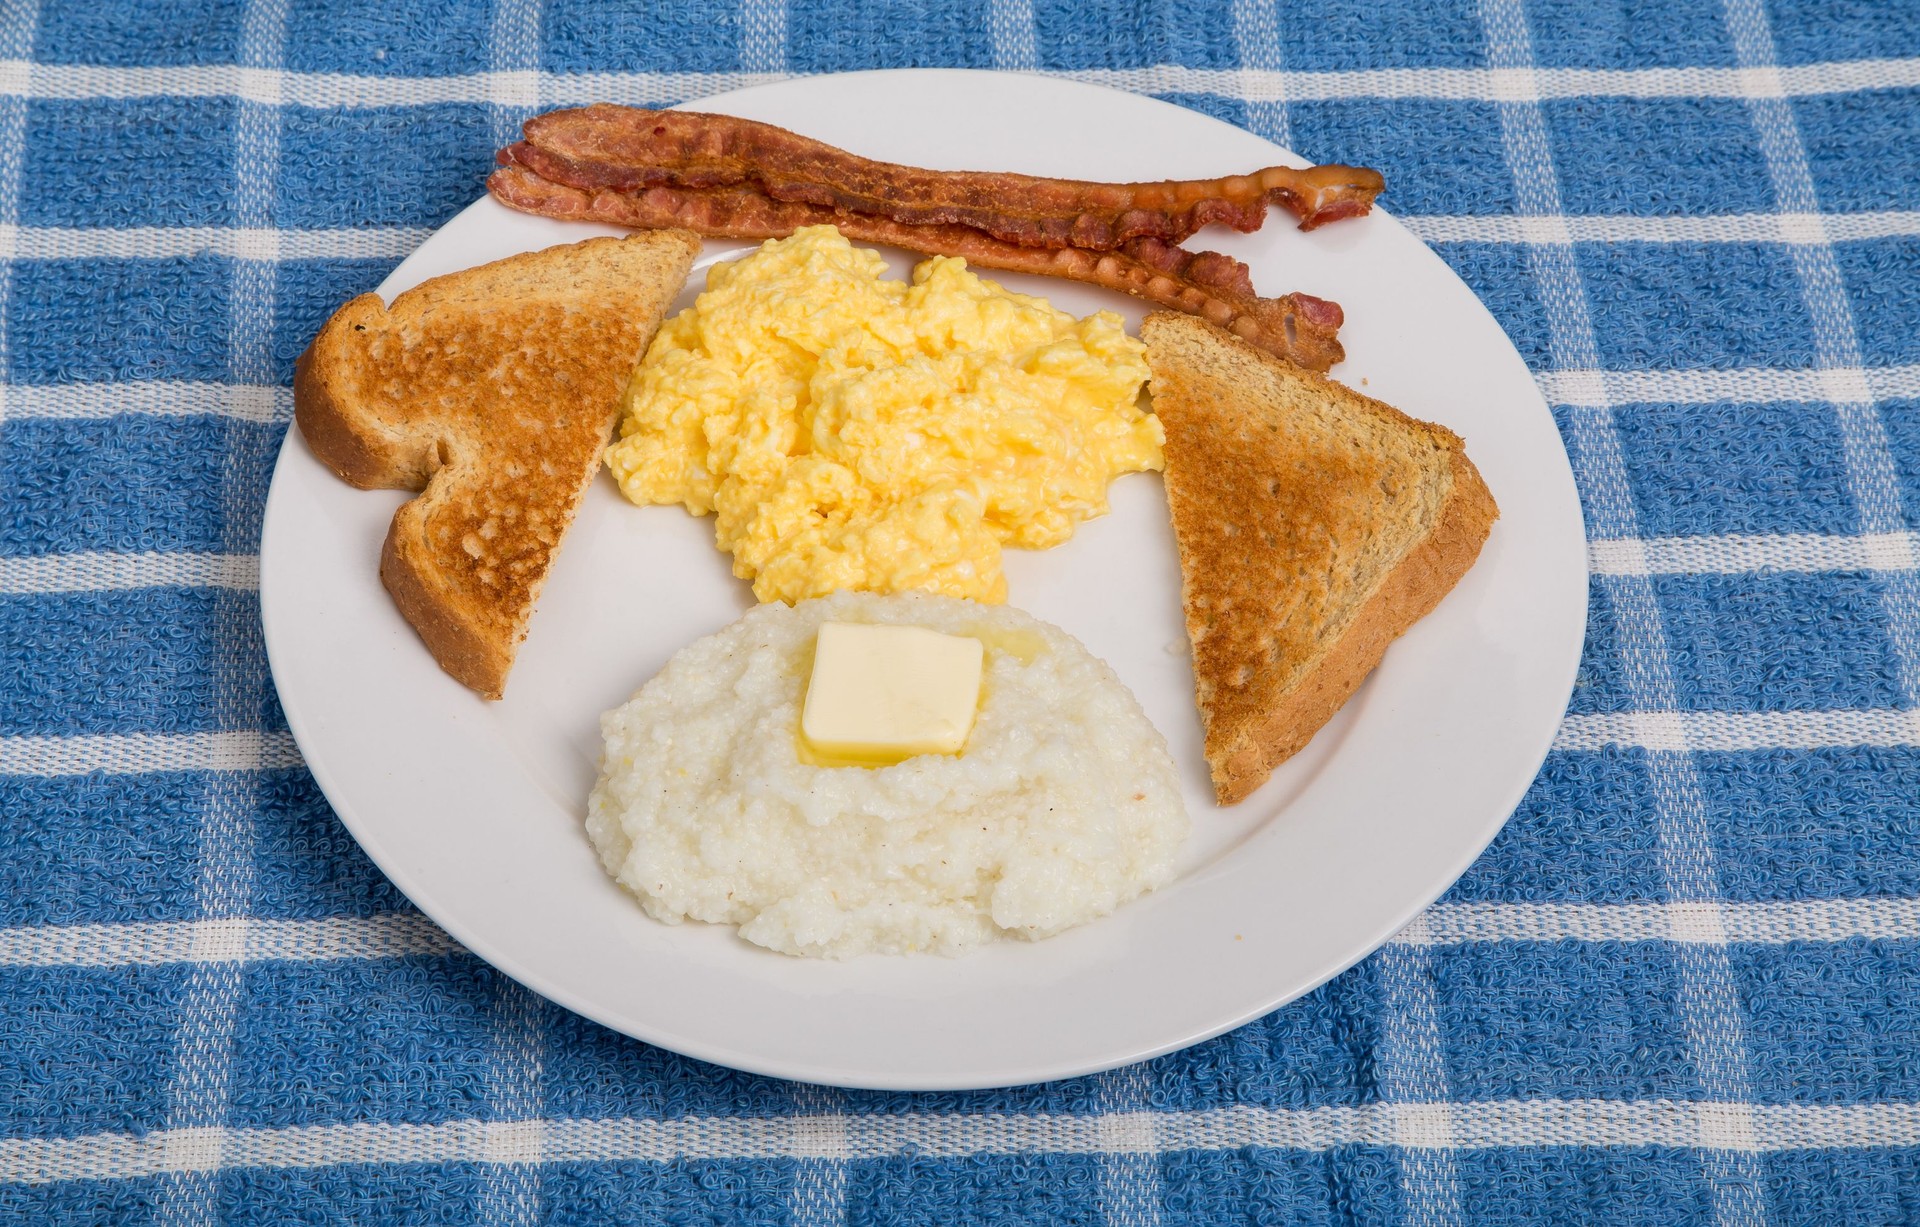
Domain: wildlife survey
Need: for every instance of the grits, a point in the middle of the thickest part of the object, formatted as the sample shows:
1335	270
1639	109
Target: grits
1062	807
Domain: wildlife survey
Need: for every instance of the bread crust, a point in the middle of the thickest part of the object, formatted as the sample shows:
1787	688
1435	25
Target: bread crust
334	434
492	392
465	651
1410	593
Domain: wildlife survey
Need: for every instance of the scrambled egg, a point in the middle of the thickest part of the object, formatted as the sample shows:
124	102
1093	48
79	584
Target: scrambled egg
854	432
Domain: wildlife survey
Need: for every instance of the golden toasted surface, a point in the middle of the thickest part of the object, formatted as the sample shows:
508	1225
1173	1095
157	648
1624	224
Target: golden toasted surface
492	390
1314	526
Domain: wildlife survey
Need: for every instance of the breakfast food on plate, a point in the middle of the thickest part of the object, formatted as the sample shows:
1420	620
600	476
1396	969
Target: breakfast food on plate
881	758
1315	525
733	178
1061	806
493	391
606	146
850	430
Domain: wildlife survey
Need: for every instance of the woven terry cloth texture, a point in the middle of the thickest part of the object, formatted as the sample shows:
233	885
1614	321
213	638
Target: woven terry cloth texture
1681	987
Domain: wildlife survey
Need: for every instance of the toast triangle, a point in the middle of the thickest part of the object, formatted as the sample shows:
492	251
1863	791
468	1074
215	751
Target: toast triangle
493	391
1315	525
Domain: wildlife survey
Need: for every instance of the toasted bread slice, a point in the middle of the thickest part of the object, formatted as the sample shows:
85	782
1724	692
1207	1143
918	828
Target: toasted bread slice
494	391
1315	525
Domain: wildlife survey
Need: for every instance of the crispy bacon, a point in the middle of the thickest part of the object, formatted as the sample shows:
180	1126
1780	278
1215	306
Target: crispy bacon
629	149
1298	327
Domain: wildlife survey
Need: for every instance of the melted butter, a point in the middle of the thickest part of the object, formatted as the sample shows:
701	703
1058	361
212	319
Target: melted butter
816	758
1024	646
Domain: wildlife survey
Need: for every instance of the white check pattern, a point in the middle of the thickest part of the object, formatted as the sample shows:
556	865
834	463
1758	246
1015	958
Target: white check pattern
199	1096
1711	1015
1420	1112
1741	1128
21	78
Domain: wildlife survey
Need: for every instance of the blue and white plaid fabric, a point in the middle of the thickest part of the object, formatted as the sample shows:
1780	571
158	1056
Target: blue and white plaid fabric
1683	986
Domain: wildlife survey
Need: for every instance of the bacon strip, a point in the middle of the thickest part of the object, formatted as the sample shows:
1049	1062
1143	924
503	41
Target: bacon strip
1298	327
628	149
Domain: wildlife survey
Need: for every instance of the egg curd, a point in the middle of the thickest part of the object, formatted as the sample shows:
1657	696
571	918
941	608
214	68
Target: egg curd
850	431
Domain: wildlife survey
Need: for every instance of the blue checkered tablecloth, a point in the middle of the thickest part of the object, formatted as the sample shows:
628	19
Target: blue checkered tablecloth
1683	986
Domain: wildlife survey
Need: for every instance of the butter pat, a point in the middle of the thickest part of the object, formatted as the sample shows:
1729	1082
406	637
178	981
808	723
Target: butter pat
881	694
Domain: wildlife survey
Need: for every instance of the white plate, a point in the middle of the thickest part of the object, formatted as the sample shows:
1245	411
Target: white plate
475	809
